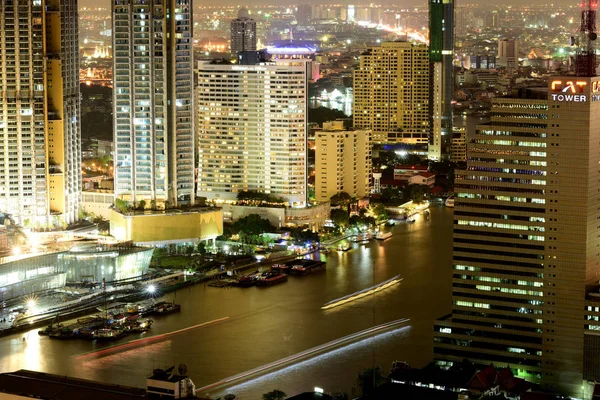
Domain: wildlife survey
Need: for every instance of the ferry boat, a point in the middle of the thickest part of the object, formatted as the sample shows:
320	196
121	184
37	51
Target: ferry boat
449	202
383	235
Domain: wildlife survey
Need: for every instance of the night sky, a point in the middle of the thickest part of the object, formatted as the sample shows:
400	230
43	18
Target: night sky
106	3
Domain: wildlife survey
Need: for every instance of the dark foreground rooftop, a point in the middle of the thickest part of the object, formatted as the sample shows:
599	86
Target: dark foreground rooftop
47	386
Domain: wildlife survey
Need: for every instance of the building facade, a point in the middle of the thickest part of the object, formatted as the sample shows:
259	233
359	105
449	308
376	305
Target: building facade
508	54
342	161
391	92
526	239
40	136
243	32
152	101
252	129
441	55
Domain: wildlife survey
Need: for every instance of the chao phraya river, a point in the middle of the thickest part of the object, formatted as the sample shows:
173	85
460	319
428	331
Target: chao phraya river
267	324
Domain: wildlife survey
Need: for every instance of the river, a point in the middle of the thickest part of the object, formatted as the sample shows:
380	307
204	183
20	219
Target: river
266	324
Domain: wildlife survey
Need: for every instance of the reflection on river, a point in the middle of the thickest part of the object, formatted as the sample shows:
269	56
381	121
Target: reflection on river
266	324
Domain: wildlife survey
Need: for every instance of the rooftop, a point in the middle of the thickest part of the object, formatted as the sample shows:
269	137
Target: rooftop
47	386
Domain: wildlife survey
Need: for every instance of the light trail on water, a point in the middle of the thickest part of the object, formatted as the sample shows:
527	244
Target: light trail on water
378	332
362	293
144	341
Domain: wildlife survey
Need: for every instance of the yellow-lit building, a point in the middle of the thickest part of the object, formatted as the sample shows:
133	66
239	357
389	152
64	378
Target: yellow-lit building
40	140
391	92
342	161
156	228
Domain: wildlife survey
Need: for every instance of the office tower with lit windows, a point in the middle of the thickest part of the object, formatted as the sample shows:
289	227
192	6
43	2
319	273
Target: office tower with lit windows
40	137
441	54
342	161
391	92
243	32
252	129
152	101
526	241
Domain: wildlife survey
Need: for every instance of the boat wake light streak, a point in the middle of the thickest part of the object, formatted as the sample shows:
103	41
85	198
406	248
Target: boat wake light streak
363	293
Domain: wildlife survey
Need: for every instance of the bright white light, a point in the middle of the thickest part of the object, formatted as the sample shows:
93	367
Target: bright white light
226	249
31	303
402	153
151	289
319	390
16	250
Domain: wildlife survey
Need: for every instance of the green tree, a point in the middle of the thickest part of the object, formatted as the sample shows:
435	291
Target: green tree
369	379
253	224
339	217
121	205
323	114
274	395
141	205
340	199
201	248
416	193
379	211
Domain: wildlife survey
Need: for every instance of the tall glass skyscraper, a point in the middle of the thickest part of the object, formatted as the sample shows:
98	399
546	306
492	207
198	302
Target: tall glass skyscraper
40	141
441	53
152	103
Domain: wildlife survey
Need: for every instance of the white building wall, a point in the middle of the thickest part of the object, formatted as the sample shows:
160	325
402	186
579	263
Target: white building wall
252	129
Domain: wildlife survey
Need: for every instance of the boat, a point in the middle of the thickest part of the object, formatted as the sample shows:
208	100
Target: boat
271	278
62	334
139	325
383	235
343	247
108	334
308	267
245	281
411	219
167	308
358	238
449	201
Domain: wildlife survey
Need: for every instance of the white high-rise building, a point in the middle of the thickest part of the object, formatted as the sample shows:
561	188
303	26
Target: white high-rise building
243	32
40	136
153	101
252	129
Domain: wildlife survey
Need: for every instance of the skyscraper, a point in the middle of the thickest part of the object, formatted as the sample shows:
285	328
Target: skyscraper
40	138
243	32
391	92
252	129
526	239
153	123
441	53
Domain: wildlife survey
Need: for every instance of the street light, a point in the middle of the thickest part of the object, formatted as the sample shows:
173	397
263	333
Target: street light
151	289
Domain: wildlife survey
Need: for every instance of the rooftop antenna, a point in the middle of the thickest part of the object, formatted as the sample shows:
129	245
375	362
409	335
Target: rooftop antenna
585	56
